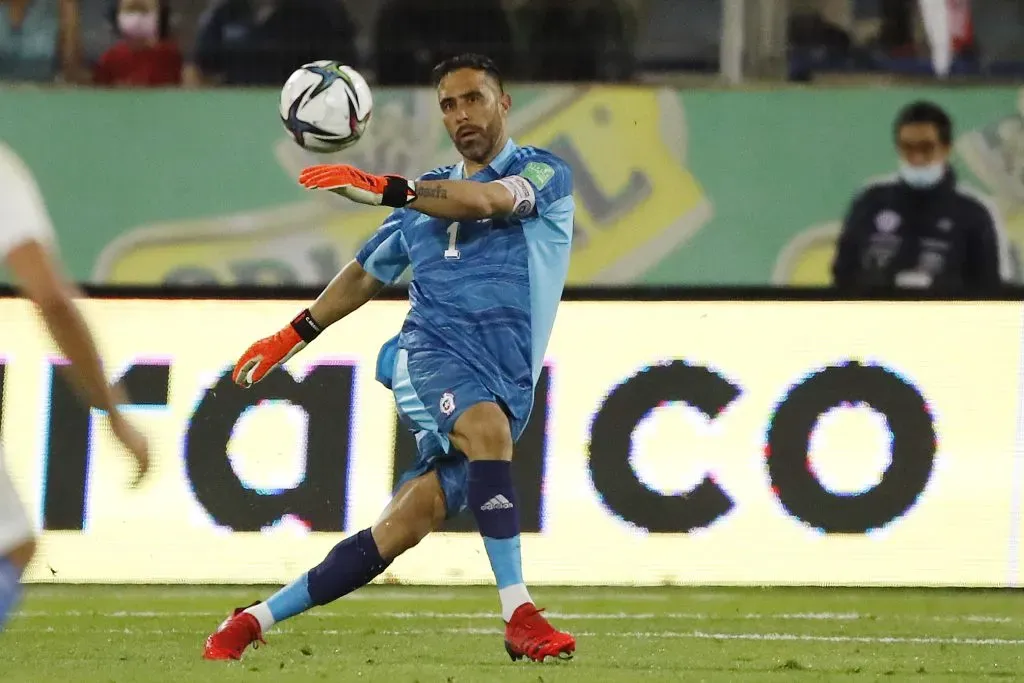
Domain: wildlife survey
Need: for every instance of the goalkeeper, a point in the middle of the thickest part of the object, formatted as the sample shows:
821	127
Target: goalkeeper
488	240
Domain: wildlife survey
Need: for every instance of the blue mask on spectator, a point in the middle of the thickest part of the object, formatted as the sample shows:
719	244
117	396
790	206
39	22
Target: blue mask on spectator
922	177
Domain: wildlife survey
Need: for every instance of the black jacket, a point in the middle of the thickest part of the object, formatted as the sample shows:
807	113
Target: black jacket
944	239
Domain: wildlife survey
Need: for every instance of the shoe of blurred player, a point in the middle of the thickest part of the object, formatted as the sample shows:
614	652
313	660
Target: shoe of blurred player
234	635
528	634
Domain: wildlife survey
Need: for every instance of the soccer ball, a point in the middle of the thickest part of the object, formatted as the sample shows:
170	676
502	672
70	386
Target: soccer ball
325	106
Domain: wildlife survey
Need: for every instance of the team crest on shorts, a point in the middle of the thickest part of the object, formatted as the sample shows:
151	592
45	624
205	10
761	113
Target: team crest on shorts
447	403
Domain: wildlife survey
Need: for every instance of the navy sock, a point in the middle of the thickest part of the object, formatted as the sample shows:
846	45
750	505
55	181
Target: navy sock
493	499
351	564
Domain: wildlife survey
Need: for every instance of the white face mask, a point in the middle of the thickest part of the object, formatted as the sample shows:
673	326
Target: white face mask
922	177
138	25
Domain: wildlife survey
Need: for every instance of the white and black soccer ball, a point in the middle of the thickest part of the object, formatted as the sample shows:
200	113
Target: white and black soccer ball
326	106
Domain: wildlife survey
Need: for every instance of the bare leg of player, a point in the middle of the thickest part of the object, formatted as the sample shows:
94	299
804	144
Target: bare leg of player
416	509
482	433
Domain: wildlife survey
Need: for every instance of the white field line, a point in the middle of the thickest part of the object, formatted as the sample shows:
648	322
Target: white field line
570	616
640	635
155	594
375	593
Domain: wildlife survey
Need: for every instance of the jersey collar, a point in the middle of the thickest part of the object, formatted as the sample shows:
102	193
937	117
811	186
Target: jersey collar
498	164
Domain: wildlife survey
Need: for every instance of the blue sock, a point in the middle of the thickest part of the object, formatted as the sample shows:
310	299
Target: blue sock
493	501
351	564
10	589
291	600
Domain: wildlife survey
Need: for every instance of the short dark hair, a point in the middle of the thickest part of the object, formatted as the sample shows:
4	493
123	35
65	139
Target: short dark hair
468	61
925	112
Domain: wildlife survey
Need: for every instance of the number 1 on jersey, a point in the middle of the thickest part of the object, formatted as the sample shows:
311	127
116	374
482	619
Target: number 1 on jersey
452	253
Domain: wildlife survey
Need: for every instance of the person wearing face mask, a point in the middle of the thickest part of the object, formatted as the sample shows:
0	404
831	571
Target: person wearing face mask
921	229
145	56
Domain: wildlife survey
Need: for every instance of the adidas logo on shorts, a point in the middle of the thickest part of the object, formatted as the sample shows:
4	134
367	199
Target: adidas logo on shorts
499	502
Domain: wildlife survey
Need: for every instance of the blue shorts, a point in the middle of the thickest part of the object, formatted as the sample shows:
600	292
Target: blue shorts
432	388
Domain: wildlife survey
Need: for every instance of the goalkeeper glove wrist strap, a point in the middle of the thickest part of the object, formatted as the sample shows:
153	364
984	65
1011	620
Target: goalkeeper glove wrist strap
306	327
398	192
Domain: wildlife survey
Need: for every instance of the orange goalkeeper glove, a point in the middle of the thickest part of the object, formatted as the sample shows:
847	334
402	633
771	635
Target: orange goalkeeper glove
350	182
269	352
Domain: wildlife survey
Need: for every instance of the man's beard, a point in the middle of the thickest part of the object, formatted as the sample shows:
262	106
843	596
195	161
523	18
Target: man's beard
479	147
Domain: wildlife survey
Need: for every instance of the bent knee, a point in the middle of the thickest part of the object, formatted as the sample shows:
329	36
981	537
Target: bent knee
483	433
417	509
393	537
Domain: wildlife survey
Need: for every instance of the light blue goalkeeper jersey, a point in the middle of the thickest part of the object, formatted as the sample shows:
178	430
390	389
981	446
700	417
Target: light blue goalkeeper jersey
485	290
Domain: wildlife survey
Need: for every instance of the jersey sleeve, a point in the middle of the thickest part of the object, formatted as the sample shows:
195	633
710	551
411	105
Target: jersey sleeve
385	255
550	180
23	215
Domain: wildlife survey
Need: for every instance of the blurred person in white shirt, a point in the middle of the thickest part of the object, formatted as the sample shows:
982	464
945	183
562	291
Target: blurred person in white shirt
28	248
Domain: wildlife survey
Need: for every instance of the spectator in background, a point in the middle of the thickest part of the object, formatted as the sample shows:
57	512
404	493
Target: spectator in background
261	42
818	38
39	40
413	35
897	31
920	229
579	40
145	56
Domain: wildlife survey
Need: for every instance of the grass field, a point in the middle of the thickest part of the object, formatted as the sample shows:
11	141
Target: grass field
140	634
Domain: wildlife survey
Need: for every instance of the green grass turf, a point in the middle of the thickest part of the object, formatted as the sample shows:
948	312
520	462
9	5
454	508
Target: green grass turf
395	634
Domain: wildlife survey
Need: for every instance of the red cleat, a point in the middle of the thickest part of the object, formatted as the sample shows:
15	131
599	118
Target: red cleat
234	635
528	634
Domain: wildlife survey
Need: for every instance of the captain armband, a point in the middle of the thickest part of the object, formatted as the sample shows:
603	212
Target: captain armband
523	196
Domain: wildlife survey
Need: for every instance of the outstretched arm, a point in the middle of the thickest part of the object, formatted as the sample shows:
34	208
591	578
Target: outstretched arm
350	289
381	260
451	199
462	199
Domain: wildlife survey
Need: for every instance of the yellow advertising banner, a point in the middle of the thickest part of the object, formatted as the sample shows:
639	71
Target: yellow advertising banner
682	442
